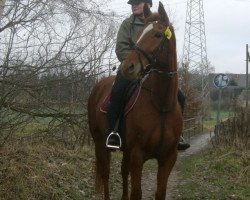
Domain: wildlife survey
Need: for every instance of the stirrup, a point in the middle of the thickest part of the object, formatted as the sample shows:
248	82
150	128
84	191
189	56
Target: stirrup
114	134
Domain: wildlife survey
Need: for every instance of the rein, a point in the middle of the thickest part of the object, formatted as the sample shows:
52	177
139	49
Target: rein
164	73
153	67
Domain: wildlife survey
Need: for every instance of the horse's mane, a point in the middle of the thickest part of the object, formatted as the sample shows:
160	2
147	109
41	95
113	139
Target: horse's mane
153	17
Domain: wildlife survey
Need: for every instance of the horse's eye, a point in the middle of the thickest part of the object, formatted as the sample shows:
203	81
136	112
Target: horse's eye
158	35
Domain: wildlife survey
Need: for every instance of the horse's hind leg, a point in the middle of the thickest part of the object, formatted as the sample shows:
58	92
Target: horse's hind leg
125	173
164	169
102	169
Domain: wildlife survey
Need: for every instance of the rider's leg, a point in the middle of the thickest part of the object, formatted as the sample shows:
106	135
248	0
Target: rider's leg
181	99
183	145
116	105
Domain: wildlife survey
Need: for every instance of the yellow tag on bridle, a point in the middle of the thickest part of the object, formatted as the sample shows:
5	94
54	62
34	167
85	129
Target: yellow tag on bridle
168	33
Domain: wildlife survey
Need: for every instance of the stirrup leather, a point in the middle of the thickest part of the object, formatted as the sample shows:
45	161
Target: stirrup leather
114	134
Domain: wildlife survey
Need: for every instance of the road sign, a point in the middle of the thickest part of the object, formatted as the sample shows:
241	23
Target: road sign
221	81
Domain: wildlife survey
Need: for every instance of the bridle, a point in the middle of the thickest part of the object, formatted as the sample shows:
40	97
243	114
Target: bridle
152	65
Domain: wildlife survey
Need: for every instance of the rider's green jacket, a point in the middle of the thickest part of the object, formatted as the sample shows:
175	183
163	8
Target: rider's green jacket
127	36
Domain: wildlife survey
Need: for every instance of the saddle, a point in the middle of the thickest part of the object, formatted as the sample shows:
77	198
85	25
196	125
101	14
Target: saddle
129	98
130	102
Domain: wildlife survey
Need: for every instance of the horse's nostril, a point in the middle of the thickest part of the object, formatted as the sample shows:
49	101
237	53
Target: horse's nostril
131	67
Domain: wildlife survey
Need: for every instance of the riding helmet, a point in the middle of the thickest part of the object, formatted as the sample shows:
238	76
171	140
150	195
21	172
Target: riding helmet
136	1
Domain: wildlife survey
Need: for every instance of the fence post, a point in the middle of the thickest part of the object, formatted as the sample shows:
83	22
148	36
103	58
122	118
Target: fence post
247	86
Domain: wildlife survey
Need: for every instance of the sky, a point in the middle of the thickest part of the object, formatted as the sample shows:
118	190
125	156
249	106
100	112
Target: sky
227	25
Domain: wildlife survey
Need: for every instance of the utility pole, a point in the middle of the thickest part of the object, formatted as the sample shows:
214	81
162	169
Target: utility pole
247	86
247	83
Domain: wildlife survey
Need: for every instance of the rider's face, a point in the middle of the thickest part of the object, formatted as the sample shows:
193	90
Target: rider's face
137	8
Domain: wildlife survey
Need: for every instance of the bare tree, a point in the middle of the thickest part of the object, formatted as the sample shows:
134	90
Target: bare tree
50	55
2	4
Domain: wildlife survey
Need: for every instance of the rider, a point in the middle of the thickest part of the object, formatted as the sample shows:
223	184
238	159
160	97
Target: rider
126	39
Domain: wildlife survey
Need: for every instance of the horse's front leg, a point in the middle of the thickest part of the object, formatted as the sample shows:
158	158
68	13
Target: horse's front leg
164	169
125	173
136	165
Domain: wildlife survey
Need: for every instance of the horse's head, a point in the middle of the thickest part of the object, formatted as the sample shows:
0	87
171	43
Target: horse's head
154	48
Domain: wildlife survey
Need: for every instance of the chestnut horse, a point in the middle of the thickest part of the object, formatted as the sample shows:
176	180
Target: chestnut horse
154	125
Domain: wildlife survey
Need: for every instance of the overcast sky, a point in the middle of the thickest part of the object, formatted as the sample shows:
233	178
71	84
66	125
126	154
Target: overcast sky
227	29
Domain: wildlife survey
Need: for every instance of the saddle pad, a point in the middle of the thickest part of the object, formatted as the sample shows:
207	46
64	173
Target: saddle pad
129	105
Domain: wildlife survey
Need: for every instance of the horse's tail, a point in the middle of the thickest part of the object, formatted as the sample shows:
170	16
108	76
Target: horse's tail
102	168
97	126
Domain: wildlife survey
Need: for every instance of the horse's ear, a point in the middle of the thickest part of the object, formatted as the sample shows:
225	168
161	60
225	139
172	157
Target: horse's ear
163	14
146	10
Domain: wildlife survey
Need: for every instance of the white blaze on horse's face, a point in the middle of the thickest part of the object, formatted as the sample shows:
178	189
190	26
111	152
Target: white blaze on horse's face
145	31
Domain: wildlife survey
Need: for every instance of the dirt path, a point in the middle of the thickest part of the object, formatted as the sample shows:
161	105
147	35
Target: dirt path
197	144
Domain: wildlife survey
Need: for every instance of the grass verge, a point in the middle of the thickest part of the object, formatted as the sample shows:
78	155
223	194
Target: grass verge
216	174
50	171
44	171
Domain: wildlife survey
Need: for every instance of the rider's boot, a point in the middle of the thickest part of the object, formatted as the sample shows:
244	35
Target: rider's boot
183	145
